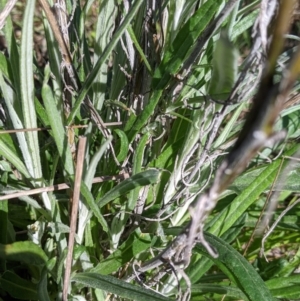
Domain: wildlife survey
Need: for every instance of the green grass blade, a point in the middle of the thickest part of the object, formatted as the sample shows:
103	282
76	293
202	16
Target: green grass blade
92	205
85	191
109	48
230	214
124	145
9	98
229	126
134	245
139	49
201	266
229	290
108	14
27	89
42	287
138	157
90	173
13	52
285	287
174	58
5	67
18	287
237	268
13	158
244	24
58	130
118	287
144	178
4	220
224	73
145	115
183	43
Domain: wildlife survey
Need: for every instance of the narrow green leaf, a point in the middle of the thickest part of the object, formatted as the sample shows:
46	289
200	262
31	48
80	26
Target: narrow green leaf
118	287
87	6
5	67
13	53
124	145
183	43
41	113
229	126
174	58
138	47
290	183
244	24
144	178
56	123
88	178
54	58
3	229
92	205
196	270
130	122
145	115
291	292
13	158
27	89
42	288
224	73
86	193
230	214
10	99
219	289
138	159
236	267
90	79
134	245
285	287
17	287
107	15
167	157
232	19
138	156
181	116
283	282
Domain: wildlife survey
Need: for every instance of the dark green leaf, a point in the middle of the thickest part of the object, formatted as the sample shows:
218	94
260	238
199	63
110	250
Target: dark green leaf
224	73
23	251
183	43
134	245
237	268
17	287
124	145
118	287
144	178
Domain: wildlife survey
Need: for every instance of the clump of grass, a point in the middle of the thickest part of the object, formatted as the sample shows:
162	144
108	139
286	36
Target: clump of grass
160	91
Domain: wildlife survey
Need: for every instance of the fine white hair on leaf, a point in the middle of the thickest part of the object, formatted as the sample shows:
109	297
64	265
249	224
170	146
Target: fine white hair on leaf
267	10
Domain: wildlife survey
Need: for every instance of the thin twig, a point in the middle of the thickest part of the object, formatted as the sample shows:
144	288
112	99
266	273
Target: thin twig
49	128
272	204
57	187
74	212
264	208
282	214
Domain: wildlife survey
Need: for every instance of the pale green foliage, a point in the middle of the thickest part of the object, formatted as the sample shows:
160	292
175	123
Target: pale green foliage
224	68
160	72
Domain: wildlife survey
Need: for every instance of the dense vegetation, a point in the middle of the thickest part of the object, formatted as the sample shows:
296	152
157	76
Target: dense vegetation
148	150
